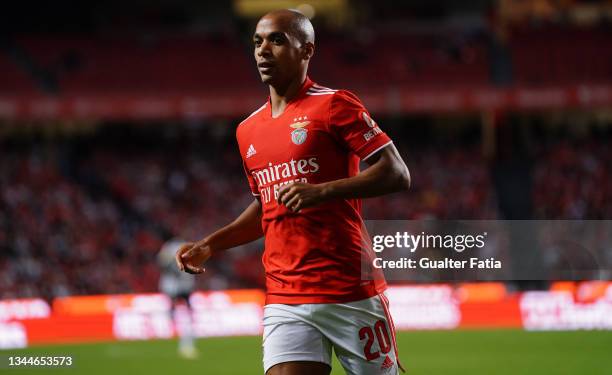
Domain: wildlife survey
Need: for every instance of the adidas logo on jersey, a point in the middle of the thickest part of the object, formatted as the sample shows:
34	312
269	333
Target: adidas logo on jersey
251	151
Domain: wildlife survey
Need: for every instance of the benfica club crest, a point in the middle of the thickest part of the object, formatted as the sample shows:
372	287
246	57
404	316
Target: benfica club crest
298	136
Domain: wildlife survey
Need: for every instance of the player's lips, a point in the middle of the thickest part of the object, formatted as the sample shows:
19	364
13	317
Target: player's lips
265	66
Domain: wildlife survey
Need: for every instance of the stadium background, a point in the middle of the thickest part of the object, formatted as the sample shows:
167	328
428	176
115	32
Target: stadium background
117	128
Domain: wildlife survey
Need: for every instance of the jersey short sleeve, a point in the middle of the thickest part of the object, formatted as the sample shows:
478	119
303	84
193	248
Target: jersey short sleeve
351	123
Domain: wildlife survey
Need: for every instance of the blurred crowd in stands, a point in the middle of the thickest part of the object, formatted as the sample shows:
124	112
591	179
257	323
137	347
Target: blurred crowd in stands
88	216
573	181
77	64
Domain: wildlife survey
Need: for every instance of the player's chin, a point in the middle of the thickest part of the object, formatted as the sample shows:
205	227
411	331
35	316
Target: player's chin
265	78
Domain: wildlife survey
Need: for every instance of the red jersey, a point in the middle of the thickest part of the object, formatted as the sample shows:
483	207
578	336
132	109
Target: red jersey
315	255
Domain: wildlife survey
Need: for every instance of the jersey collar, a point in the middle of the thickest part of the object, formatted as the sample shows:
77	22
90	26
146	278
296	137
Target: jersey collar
308	83
305	86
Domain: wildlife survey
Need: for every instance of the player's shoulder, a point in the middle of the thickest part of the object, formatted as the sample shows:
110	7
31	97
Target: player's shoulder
253	117
332	96
318	91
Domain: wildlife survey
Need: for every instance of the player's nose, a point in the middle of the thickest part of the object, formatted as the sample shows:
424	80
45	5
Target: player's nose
264	49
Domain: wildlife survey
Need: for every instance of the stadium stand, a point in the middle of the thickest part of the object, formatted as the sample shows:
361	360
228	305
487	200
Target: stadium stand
87	217
559	55
545	55
14	80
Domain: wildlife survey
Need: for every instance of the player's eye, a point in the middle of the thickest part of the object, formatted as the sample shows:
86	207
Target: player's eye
257	42
277	40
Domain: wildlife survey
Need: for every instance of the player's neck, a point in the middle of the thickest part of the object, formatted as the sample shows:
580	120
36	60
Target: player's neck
280	96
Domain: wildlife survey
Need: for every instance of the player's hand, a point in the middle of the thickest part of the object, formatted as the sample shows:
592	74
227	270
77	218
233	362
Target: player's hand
298	195
191	256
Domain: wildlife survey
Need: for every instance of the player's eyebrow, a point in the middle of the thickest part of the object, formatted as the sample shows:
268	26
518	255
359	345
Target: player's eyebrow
273	34
276	34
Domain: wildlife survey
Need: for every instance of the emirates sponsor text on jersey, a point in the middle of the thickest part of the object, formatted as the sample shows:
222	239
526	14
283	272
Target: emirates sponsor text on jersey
287	172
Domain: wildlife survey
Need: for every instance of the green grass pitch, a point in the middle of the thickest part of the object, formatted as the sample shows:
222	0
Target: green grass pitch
462	352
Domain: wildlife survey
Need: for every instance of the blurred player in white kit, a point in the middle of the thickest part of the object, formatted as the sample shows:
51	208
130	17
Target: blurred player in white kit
178	286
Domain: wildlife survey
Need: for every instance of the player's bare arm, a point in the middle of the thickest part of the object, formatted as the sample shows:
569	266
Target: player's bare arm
386	174
244	229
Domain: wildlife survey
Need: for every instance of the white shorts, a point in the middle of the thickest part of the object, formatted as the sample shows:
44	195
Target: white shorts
361	333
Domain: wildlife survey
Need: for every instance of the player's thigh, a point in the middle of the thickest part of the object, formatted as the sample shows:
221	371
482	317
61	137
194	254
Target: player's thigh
362	335
291	344
299	368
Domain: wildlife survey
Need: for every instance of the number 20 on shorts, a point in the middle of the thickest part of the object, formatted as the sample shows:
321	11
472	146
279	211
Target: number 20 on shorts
382	336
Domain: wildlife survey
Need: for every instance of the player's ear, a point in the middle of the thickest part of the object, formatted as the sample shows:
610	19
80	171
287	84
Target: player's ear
307	50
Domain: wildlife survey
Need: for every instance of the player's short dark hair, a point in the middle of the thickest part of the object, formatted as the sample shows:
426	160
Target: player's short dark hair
299	24
302	28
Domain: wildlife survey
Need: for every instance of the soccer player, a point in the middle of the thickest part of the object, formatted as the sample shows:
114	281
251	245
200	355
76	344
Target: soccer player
301	153
178	286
